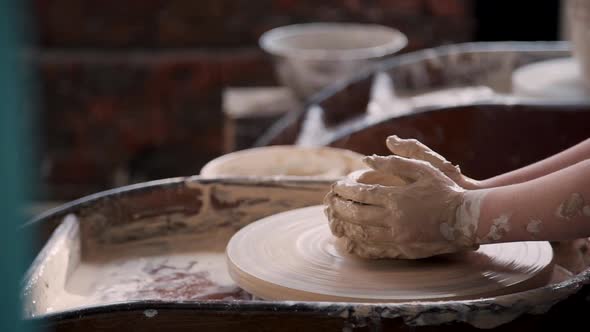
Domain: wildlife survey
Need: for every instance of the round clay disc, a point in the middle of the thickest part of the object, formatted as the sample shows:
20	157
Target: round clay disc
286	161
557	79
294	256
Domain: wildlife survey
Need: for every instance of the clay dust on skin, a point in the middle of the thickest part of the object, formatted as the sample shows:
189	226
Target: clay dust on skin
573	206
500	227
467	215
534	227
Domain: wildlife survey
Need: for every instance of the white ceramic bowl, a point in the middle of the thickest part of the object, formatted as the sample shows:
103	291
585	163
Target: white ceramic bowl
553	80
308	57
285	161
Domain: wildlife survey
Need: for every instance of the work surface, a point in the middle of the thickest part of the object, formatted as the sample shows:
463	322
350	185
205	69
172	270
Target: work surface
113	223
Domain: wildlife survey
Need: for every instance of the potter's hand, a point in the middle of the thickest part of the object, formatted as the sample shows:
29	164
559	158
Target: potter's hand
401	208
414	149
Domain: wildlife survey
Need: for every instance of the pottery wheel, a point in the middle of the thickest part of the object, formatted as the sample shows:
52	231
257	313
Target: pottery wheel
294	256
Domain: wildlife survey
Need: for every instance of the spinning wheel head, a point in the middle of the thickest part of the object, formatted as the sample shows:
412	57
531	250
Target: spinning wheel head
293	256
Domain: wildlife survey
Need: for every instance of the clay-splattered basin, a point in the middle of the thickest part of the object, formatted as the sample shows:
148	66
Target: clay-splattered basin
164	231
405	83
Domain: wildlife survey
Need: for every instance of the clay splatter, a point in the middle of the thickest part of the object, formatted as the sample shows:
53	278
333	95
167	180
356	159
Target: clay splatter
447	231
534	226
571	207
149	313
499	228
467	218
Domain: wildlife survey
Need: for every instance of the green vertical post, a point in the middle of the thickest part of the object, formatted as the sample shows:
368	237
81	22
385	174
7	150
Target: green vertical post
14	162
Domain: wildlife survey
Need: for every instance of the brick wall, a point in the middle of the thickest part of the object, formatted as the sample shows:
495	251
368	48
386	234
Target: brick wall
131	89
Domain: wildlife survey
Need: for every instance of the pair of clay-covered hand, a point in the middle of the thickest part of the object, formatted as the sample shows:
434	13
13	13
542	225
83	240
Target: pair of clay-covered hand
408	205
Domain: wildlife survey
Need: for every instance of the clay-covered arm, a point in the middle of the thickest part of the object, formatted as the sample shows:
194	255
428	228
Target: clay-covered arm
552	164
551	207
413	149
414	208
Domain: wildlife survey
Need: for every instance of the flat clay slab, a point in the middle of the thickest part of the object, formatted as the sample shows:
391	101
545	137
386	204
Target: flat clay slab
293	256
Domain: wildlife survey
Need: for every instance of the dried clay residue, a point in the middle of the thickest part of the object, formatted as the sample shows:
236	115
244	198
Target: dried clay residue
467	214
572	207
175	270
534	226
500	227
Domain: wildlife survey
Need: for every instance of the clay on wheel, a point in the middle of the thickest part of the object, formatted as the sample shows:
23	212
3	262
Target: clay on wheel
293	256
286	160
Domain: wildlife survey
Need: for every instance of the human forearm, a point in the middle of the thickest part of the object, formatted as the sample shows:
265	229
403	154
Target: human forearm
551	207
552	164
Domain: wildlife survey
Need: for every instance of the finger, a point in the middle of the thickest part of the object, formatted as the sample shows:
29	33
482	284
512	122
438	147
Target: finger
349	211
333	221
416	250
370	176
362	193
366	233
335	224
365	250
414	149
409	148
405	168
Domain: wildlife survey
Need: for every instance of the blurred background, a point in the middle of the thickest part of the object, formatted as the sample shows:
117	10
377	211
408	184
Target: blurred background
133	90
